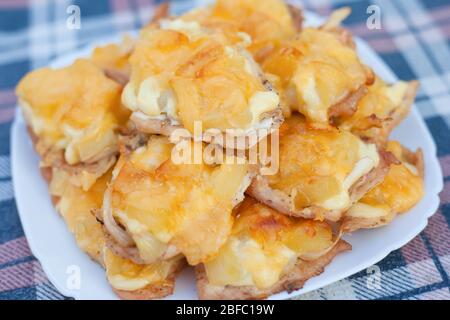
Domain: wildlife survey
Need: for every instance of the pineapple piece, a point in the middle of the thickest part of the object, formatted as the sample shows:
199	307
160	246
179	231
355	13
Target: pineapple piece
403	186
74	110
76	207
318	167
113	59
125	275
401	190
187	73
163	204
317	73
262	26
264	245
380	110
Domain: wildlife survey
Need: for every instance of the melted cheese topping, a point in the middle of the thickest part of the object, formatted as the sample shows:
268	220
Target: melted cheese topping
362	210
76	208
267	23
75	108
76	205
185	205
383	101
193	74
316	71
401	189
318	167
264	245
125	275
114	56
191	28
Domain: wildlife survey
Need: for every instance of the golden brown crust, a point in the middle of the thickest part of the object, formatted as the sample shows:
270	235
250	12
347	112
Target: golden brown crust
162	11
51	158
348	106
166	127
351	224
297	16
154	291
393	119
278	200
118	76
373	178
294	280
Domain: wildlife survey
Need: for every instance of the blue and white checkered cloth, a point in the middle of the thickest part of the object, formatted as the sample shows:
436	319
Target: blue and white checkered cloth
414	40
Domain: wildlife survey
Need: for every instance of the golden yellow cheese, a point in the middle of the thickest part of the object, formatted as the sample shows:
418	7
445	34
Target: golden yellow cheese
76	109
263	245
375	110
114	56
262	25
77	208
190	73
315	72
162	203
319	166
401	189
123	274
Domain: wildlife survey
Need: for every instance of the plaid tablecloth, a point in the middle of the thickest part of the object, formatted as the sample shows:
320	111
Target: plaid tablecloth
414	40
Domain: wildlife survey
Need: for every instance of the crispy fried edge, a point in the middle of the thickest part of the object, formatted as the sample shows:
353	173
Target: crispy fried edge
351	224
154	291
167	125
54	158
297	16
394	118
293	280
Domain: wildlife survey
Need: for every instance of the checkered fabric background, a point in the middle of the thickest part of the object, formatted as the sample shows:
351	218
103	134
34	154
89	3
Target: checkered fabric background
414	41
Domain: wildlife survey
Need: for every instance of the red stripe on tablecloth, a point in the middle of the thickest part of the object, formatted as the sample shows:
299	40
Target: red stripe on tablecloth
14	4
435	15
445	165
145	3
13	250
415	251
7	97
439	234
445	194
119	5
361	30
21	275
383	45
445	30
6	114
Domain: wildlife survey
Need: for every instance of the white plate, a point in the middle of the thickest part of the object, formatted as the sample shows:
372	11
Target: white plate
54	246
